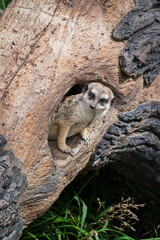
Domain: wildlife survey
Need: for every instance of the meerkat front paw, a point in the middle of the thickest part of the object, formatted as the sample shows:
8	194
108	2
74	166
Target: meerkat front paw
85	136
87	139
68	151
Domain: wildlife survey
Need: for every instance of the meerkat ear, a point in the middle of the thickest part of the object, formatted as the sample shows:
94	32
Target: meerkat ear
113	99
85	88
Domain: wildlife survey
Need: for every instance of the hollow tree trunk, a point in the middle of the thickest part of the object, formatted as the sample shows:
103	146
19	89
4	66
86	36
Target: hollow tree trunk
12	185
46	47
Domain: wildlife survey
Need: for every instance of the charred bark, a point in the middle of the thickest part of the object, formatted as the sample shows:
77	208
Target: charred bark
132	146
12	185
141	54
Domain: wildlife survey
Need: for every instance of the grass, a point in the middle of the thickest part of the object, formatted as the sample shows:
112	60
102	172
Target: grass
98	206
4	4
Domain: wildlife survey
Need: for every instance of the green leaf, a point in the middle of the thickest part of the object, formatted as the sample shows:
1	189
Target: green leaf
3	4
33	236
84	212
124	238
151	238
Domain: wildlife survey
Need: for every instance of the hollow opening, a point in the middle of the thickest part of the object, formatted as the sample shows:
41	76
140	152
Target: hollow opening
76	89
73	141
64	127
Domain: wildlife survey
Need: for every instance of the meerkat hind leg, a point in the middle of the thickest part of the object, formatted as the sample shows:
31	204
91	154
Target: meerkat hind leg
85	136
62	135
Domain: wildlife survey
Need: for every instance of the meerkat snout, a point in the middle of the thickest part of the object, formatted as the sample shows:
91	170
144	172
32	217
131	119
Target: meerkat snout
92	106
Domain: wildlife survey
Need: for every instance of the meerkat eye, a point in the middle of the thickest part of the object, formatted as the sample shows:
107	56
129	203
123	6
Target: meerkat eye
91	95
103	100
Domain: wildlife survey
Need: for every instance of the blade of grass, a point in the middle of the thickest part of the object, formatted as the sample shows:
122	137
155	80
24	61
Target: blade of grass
3	4
84	212
151	238
33	236
124	238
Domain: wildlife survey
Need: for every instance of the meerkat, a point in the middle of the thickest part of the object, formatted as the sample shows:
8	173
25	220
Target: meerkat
77	112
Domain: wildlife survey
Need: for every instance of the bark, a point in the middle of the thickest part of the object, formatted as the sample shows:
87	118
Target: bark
12	185
141	54
46	48
132	146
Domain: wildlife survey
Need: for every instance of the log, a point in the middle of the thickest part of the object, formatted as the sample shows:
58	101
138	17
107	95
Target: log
12	185
132	146
49	49
141	54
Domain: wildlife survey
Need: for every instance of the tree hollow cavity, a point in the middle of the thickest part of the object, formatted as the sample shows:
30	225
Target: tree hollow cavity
73	141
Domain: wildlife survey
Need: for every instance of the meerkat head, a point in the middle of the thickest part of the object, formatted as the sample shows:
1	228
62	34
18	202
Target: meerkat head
98	97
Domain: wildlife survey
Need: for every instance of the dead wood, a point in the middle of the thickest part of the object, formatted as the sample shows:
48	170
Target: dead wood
46	48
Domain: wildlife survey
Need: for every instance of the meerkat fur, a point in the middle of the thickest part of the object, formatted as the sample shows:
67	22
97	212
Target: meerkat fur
77	112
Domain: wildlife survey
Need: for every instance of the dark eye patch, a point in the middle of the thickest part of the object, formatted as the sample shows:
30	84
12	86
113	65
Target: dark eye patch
103	100
91	95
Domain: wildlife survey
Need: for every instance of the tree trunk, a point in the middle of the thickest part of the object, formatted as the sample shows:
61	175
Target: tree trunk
12	185
132	146
46	48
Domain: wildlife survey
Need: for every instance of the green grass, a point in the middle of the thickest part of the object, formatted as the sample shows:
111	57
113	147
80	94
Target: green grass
98	206
4	4
70	223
